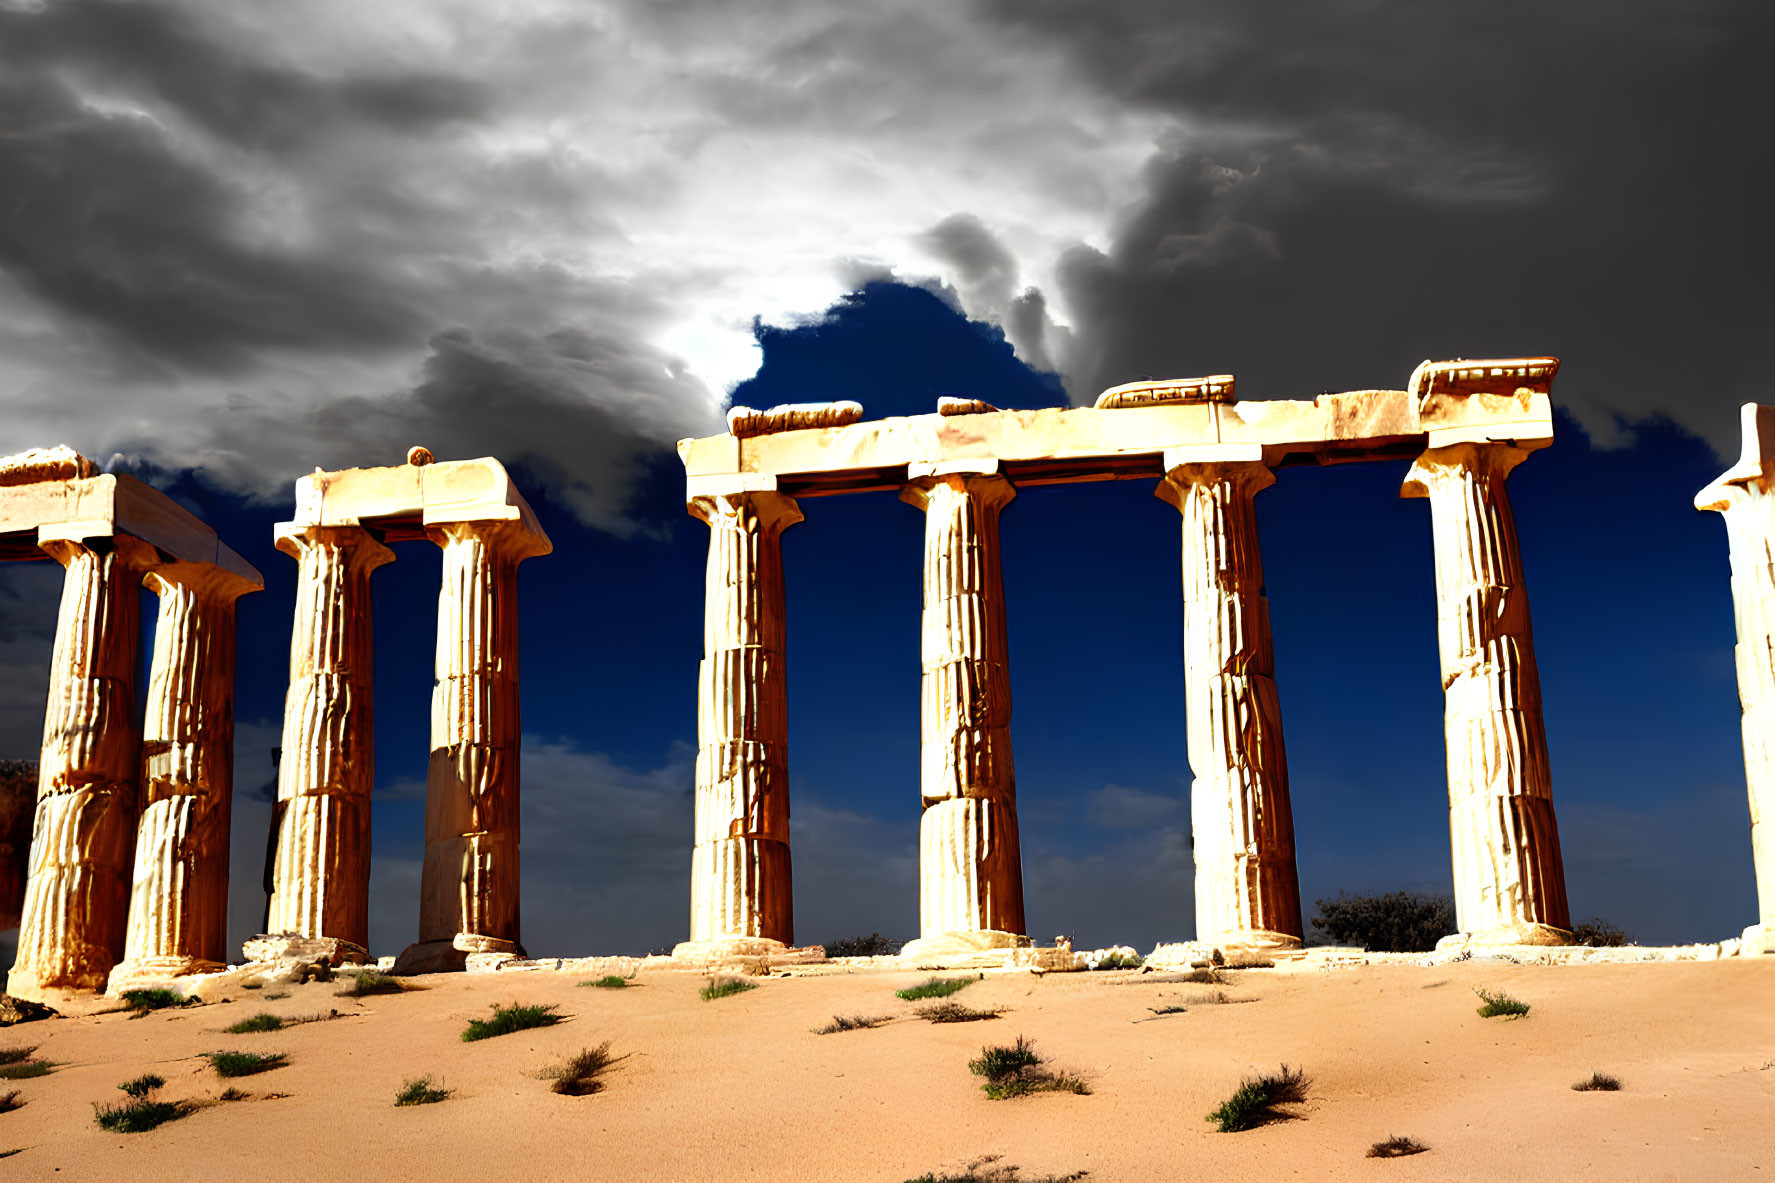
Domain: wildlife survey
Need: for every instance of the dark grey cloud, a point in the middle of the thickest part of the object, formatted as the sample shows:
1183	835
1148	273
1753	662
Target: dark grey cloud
1355	186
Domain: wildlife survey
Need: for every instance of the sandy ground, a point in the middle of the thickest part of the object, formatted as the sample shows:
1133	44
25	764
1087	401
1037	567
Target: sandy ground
741	1089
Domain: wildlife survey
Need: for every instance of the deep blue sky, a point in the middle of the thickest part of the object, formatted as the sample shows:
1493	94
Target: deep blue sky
1632	621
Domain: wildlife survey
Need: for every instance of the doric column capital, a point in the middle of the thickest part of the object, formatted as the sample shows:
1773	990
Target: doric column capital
737	507
362	551
1479	458
979	479
205	581
1241	464
507	537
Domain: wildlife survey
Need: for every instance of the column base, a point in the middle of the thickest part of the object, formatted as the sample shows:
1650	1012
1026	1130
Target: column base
157	971
750	953
26	985
943	946
1255	940
454	955
289	946
1526	933
1758	941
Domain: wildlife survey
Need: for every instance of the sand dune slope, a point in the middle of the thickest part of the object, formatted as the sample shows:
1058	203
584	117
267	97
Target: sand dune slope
741	1089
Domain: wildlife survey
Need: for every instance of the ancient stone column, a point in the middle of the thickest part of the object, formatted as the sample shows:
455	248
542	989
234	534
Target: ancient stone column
1744	496
1508	878
468	894
740	881
1247	892
321	873
970	865
77	893
178	911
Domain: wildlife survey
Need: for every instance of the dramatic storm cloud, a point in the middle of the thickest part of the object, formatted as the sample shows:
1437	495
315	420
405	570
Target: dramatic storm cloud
250	240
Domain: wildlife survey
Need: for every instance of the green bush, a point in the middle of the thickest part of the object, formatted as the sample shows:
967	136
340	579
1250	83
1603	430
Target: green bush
934	988
420	1092
16	1055
1601	934
1500	1004
245	1063
577	1076
873	945
1400	922
851	1023
141	1086
951	1011
509	1019
137	1116
263	1021
1017	1071
1255	1102
157	998
371	981
726	988
609	982
25	1070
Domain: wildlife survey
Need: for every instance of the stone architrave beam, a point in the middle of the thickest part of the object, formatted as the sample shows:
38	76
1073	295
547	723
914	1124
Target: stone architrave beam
1508	875
970	862
1247	893
1744	495
741	898
108	532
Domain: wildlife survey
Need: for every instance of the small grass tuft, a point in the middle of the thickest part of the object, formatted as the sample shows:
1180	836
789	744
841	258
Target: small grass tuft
372	981
277	994
509	1019
420	1092
1206	977
726	987
155	998
609	982
1500	1004
1016	1071
26	1070
263	1021
577	1076
983	1171
851	1023
138	1116
1121	961
245	1063
1598	1082
233	1094
950	1011
15	1055
934	988
141	1086
252	985
9	1101
1396	1146
1255	1102
1169	1010
10	1153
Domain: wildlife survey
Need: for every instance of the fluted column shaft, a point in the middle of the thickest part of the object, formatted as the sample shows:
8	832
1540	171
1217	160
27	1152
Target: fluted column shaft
1508	876
77	893
469	883
1247	891
178	911
741	883
1749	511
321	870
970	864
